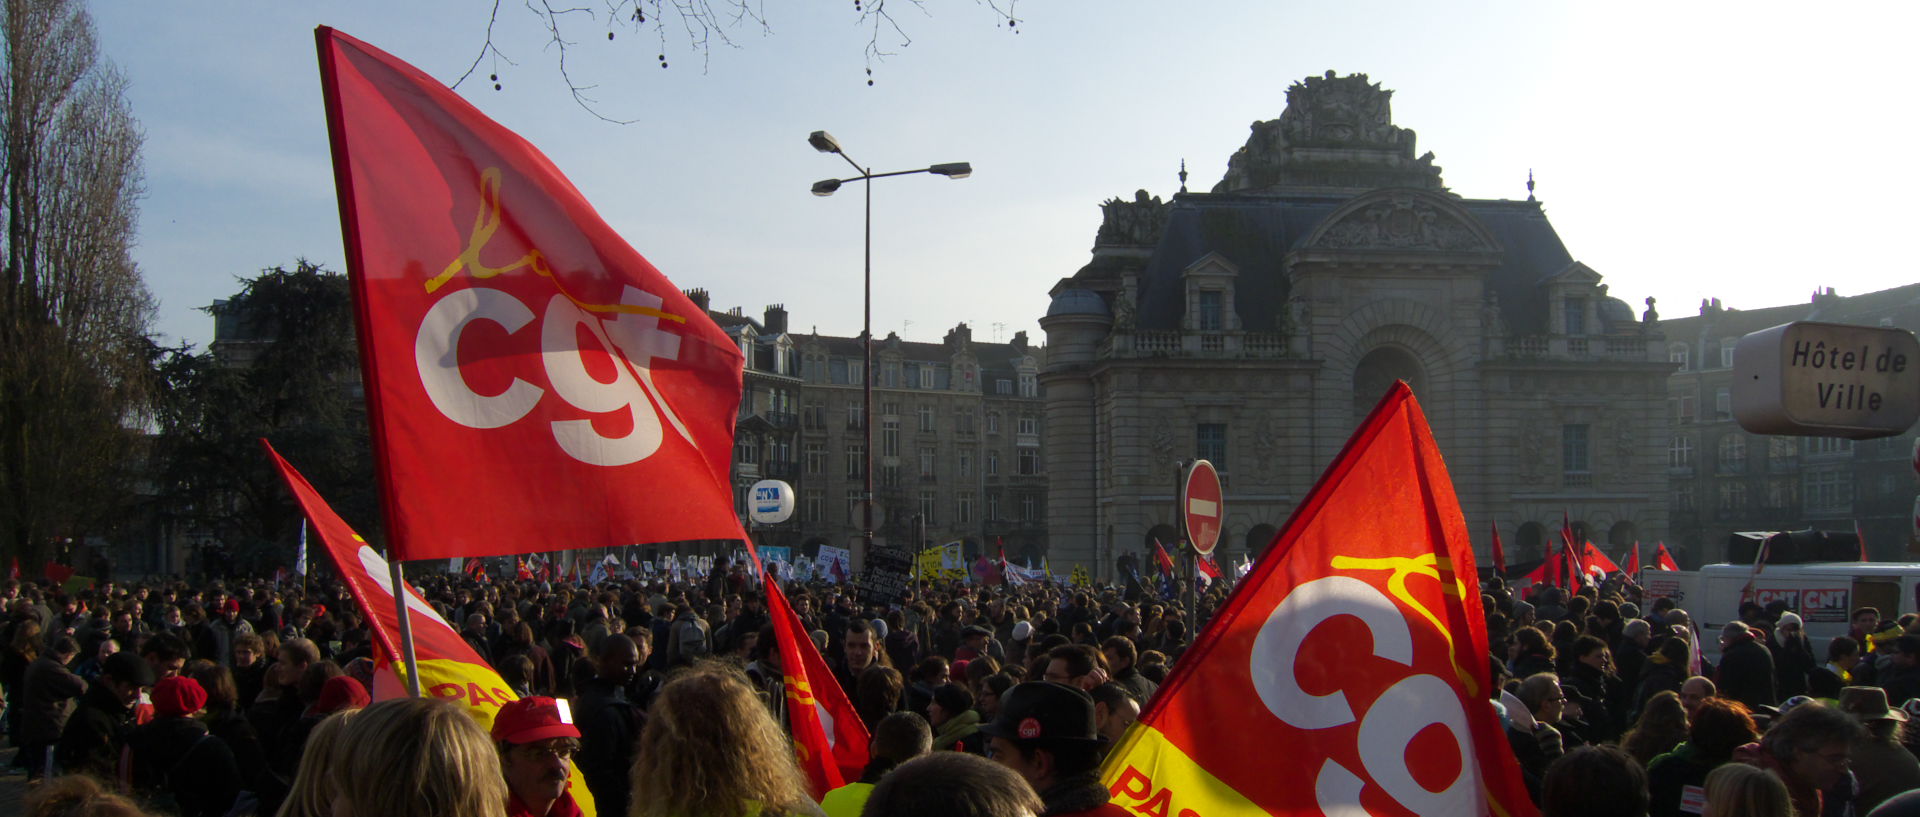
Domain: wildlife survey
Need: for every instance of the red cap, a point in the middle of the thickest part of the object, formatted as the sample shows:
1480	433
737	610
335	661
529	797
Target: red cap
178	696
536	718
341	692
231	606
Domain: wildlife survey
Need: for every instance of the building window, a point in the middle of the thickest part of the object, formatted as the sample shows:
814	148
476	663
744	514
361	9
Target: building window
1722	404
963	508
993	463
856	373
926	419
1002	386
1782	449
1827	490
813	508
1677	353
1683	498
963	464
1576	316
993	505
1029	507
856	415
926	461
1828	445
1029	386
1733	495
1210	443
814	415
889	476
1680	452
1029	461
993	422
746	450
1211	308
963	421
1029	425
816	459
928	499
890	438
856	460
890	408
1733	454
1726	354
1574	449
1683	410
1783	493
926	377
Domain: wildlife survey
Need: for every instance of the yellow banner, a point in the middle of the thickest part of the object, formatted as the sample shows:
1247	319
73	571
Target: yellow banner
1148	775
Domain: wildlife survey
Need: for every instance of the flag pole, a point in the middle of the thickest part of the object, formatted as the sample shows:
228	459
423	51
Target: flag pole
303	560
399	581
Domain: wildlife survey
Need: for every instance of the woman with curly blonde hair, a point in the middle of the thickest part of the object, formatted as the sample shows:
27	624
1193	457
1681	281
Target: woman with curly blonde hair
417	757
710	749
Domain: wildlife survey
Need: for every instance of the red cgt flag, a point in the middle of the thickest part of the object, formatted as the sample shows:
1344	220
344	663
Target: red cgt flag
1377	557
1663	560
529	376
828	735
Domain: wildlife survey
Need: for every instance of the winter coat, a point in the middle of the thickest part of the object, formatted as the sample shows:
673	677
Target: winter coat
1746	674
46	697
178	759
92	740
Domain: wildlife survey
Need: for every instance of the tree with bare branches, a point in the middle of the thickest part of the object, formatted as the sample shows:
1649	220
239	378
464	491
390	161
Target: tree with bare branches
74	314
703	23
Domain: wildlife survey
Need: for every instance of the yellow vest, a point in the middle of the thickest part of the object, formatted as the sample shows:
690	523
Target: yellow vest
846	801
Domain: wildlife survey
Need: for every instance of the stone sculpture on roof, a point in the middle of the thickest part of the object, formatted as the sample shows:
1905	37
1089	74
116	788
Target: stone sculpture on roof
1138	222
1337	132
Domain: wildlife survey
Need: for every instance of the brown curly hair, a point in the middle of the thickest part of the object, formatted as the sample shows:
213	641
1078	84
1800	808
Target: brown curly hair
711	748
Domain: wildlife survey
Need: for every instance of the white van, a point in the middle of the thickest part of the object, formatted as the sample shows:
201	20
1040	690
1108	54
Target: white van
1823	593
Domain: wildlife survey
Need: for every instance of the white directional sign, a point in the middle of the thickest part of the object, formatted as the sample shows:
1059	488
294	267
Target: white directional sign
1827	380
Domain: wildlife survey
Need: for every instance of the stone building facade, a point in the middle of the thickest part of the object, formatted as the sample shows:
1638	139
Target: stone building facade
1725	480
1256	324
958	436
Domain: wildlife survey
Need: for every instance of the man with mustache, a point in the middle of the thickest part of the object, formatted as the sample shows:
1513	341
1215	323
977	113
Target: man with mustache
537	741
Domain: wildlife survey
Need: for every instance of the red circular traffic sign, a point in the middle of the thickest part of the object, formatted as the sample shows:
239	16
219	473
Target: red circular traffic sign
1201	507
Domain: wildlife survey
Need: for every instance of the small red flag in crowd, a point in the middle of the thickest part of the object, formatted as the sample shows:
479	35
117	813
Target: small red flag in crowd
828	735
1499	553
1161	558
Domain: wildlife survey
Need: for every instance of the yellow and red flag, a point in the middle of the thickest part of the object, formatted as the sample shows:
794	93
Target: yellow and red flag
1357	643
449	668
828	735
529	376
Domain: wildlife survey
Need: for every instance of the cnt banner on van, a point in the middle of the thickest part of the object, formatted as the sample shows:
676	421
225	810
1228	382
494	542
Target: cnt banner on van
1816	605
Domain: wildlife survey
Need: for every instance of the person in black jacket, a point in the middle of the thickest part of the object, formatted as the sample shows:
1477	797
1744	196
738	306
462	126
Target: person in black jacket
1594	687
1746	668
609	724
1793	657
94	735
179	765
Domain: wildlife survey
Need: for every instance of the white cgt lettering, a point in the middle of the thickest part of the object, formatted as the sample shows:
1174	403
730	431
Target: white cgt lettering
567	371
1390	722
436	353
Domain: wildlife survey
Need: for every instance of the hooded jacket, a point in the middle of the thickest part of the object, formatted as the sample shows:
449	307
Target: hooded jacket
177	758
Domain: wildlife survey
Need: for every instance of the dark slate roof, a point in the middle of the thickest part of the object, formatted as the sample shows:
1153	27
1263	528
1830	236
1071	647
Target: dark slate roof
1255	232
1902	304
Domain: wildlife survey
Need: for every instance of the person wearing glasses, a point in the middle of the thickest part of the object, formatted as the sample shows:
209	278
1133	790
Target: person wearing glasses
537	741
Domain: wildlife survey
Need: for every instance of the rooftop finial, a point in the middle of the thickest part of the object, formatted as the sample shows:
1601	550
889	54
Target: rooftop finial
1529	184
1183	175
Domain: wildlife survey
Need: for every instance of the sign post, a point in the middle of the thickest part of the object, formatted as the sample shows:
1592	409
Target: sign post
1202	511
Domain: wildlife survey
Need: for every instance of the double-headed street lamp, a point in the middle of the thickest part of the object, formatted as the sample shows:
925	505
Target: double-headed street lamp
825	143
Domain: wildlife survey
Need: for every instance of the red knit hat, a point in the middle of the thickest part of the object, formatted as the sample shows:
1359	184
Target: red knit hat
178	696
341	692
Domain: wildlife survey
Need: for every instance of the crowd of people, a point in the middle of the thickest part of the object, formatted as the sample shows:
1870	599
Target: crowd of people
668	698
1613	705
247	696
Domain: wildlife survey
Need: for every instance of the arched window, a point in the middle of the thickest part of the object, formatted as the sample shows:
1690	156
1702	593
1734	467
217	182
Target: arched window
1377	372
1733	454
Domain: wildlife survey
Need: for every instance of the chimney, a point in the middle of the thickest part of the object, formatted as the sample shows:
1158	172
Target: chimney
1020	340
775	321
698	296
736	312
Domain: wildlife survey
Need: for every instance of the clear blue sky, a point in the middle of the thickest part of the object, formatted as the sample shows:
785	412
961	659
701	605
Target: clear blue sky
1750	152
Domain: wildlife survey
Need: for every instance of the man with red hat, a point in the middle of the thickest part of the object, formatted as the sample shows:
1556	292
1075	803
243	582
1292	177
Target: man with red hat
216	639
537	741
177	763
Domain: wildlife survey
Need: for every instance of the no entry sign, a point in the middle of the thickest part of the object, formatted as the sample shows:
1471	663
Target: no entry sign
1201	507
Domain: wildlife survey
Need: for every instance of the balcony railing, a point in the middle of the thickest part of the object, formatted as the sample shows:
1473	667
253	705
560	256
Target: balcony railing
1218	345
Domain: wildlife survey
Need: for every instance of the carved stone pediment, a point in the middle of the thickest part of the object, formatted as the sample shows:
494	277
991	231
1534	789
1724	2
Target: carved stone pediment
1336	133
1401	221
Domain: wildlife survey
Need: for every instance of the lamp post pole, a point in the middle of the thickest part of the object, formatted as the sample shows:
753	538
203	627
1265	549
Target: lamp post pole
825	143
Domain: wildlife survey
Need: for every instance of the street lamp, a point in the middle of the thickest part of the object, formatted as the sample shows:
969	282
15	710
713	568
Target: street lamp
825	143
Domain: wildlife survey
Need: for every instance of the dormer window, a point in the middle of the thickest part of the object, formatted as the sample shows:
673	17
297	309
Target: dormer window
1576	316
1212	310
